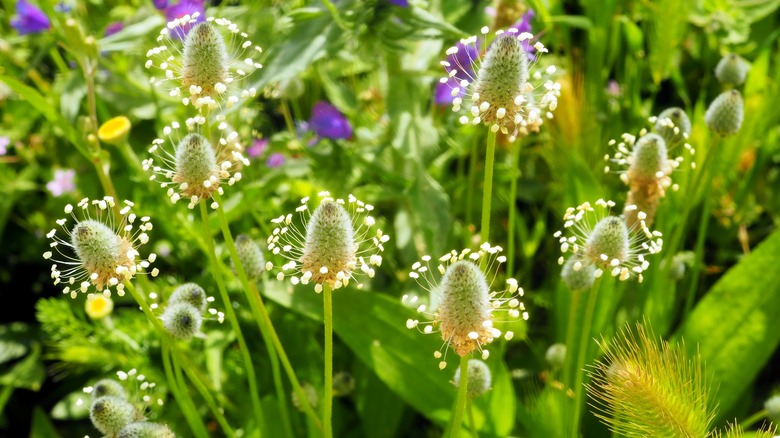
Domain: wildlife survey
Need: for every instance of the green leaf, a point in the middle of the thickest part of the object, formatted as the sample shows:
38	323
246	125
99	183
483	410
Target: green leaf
27	373
734	327
129	37
42	426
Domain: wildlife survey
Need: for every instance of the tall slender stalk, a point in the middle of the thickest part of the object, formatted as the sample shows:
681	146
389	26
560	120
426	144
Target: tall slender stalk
263	320
487	190
231	315
460	401
515	169
180	393
472	424
582	349
573	305
327	403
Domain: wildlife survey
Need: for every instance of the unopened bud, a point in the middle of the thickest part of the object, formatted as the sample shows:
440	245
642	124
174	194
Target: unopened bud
108	387
732	69
110	414
673	125
189	293
556	355
181	320
146	429
479	380
251	256
725	113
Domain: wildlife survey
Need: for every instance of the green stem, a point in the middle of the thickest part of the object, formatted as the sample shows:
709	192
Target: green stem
472	424
132	159
334	12
327	403
753	419
470	189
260	314
5	395
106	183
571	323
515	169
487	190
187	365
582	350
460	401
231	314
178	389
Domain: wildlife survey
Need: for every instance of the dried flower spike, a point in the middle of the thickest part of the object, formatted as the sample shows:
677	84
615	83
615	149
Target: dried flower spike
467	306
732	69
725	113
609	244
333	244
506	94
479	380
192	167
210	66
104	253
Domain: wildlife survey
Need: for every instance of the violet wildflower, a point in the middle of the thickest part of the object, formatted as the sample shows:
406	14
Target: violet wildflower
400	3
4	143
62	182
462	62
160	4
328	122
192	8
258	148
29	19
524	25
114	28
275	160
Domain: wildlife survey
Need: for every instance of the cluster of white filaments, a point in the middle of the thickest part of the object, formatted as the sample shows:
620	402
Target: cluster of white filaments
622	159
193	167
330	245
205	69
463	305
141	388
502	90
595	237
219	315
101	252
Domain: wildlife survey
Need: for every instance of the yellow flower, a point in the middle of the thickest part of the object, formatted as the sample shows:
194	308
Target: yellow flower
115	130
98	306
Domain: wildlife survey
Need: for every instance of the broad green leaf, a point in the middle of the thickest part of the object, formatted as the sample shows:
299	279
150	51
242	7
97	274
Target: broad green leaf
734	326
379	408
42	426
129	37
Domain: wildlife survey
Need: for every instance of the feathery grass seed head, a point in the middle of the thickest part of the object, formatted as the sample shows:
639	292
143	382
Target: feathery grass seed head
609	244
146	429
732	69
192	167
207	72
479	380
468	307
502	90
110	414
191	294
725	113
332	245
103	251
181	320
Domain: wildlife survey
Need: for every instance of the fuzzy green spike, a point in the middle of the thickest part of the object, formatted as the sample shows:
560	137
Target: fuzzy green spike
189	293
108	387
609	238
110	414
205	60
181	320
648	158
578	274
501	79
196	163
725	113
479	380
732	69
330	244
644	387
146	429
465	306
673	125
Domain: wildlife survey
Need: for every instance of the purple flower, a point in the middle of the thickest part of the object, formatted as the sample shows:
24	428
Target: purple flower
4	142
29	19
275	160
62	182
183	8
114	28
328	122
463	63
613	88
524	25
258	148
160	4
401	3
302	128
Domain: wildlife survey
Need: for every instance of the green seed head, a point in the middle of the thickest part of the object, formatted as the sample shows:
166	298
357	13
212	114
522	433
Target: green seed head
311	395
732	69
578	274
479	378
251	256
556	355
189	293
205	61
145	429
330	244
100	251
725	113
502	78
108	387
673	125
648	159
772	406
196	163
608	241
181	320
343	384
465	307
110	414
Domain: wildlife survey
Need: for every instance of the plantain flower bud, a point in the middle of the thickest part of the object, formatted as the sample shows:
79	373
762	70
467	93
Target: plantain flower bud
725	113
479	380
